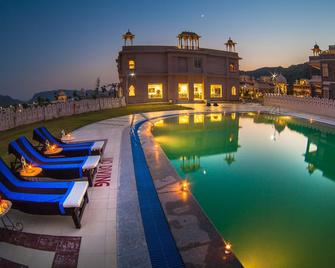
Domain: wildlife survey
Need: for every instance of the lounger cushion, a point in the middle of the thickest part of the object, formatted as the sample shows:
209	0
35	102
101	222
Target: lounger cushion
97	146
58	167
91	162
76	195
69	149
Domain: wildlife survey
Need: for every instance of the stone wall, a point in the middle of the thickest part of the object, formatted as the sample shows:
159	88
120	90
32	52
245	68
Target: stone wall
14	117
325	107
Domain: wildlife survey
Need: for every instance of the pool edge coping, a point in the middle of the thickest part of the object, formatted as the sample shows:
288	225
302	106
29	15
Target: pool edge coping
209	247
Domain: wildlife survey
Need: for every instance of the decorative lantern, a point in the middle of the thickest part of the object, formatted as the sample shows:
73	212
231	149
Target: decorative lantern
185	185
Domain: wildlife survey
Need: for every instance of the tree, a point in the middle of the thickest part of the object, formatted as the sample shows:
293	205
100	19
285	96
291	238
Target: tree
113	89
40	100
104	88
75	94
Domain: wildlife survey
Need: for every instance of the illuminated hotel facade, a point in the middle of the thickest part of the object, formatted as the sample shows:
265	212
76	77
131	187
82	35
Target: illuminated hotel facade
323	69
178	74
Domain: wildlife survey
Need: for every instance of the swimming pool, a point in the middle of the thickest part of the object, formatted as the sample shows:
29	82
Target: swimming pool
266	182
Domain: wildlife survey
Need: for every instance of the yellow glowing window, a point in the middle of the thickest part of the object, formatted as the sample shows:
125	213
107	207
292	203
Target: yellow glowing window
199	118
216	91
233	91
198	91
216	117
312	148
233	116
131	65
131	91
155	91
159	123
183	91
183	119
231	137
232	67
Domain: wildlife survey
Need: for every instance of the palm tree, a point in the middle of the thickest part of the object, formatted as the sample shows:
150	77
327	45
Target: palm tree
104	89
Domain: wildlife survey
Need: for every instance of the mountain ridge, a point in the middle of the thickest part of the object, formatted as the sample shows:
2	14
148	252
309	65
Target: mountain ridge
291	73
6	101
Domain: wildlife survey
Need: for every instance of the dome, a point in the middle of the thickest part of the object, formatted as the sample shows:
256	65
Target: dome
61	92
281	79
316	46
128	35
230	42
187	34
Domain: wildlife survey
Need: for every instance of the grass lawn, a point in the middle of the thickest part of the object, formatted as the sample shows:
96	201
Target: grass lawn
76	121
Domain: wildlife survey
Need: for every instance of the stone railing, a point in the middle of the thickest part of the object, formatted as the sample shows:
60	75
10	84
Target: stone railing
318	106
14	117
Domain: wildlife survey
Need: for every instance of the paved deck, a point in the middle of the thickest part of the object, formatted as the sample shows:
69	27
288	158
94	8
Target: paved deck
97	245
112	232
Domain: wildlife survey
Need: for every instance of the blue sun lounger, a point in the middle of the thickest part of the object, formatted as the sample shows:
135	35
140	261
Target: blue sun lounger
44	198
65	168
42	135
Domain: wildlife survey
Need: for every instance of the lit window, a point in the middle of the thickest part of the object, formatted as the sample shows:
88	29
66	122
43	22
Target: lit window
199	118
183	119
216	91
155	91
131	91
183	91
312	148
198	91
159	123
233	91
232	67
131	65
215	117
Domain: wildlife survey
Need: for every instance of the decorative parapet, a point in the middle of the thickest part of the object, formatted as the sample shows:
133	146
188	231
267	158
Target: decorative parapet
320	106
14	117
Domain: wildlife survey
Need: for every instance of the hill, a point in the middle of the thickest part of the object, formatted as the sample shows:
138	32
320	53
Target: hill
6	101
291	73
50	94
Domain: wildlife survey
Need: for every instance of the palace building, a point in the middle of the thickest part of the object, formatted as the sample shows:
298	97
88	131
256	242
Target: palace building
302	88
323	71
179	74
255	88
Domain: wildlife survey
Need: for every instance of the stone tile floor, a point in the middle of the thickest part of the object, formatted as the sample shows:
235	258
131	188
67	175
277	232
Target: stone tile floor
98	231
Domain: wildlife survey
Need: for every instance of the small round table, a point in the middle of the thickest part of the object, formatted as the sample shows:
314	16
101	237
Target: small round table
57	150
30	171
5	206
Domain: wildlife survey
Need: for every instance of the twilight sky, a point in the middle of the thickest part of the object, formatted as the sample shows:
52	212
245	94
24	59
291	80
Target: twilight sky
52	44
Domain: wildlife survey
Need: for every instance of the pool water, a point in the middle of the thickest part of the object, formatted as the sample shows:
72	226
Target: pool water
266	182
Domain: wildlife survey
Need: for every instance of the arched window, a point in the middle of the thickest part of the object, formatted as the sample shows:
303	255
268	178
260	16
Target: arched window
131	91
232	67
131	64
233	91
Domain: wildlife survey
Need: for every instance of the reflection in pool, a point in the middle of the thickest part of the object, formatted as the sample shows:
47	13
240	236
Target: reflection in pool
266	182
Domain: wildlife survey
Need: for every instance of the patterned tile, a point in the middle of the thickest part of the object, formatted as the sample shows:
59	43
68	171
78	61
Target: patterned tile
66	248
